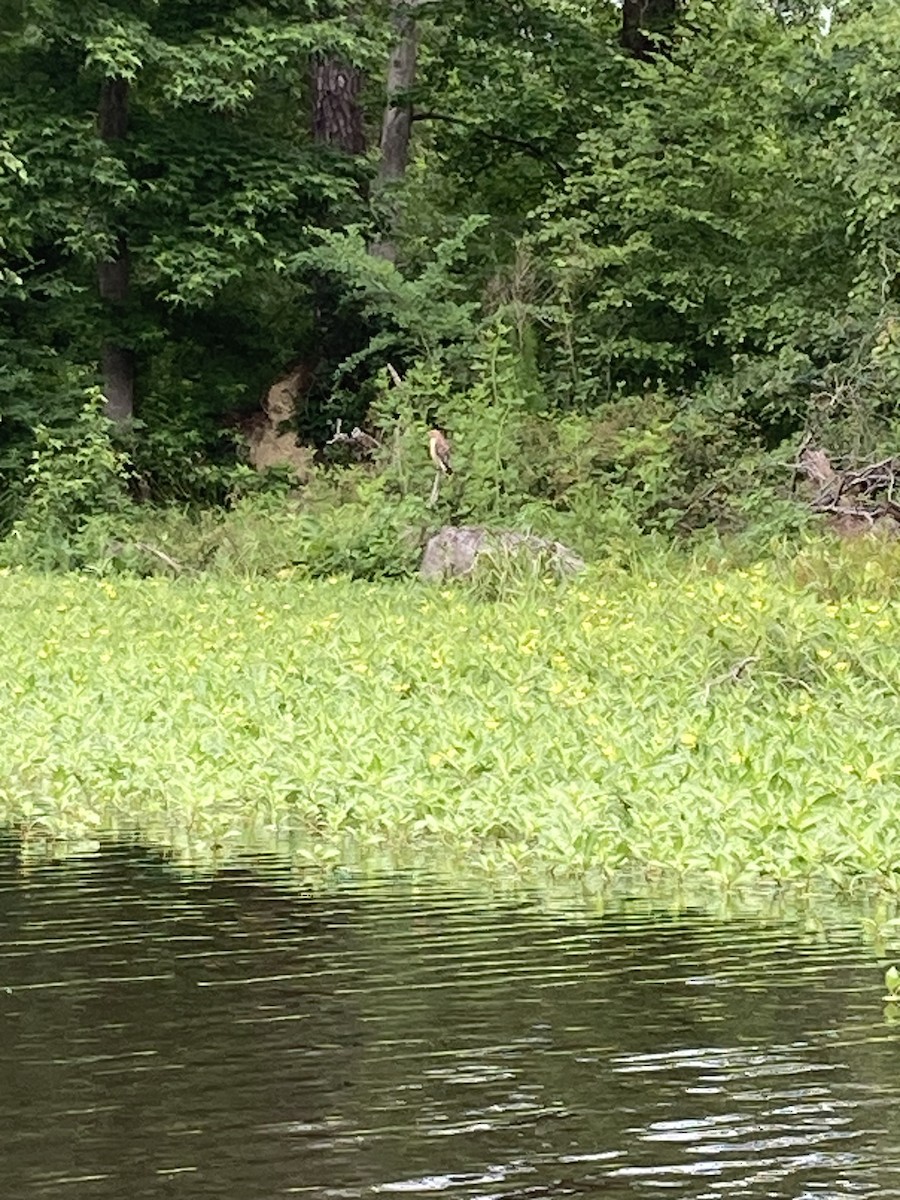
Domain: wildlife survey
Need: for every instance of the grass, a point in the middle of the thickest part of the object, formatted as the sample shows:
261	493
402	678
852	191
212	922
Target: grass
679	719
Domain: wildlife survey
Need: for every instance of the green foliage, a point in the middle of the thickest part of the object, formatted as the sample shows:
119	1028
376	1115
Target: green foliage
622	286
364	540
654	464
76	474
216	186
719	723
485	422
412	317
263	533
701	220
508	92
865	133
504	573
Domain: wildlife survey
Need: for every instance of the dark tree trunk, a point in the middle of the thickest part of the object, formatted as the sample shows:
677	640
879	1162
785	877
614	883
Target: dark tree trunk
644	22
397	123
337	117
116	360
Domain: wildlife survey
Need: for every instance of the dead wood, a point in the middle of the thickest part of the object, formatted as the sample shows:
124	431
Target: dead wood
360	443
733	675
855	498
161	555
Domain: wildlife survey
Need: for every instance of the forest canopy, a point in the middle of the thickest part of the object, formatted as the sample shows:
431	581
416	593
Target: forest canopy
627	253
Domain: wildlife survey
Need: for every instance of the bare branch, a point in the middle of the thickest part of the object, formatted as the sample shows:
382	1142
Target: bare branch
161	555
530	148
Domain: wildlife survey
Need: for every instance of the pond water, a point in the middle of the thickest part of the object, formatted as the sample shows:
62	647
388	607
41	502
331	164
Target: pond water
236	1037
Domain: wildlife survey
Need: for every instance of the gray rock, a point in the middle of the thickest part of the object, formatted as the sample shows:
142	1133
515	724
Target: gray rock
454	551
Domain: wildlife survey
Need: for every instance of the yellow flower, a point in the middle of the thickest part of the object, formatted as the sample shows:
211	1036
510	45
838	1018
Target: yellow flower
689	739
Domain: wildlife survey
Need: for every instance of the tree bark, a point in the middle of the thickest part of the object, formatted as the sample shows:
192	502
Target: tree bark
116	360
644	22
337	117
396	125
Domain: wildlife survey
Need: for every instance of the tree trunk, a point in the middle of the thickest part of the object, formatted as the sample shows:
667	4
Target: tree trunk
116	360
337	117
644	22
397	123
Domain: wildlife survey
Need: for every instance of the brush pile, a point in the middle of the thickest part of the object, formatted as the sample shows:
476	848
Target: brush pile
856	499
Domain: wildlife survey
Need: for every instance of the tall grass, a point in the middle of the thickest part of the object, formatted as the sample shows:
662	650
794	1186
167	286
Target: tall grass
684	719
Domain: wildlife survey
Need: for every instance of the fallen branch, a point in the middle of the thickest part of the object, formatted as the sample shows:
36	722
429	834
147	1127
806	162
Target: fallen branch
357	438
161	555
844	510
860	493
732	675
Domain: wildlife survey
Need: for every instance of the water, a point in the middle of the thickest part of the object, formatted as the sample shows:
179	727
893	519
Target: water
234	1037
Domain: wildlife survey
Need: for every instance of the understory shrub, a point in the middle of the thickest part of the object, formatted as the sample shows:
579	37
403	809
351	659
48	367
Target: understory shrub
75	492
659	464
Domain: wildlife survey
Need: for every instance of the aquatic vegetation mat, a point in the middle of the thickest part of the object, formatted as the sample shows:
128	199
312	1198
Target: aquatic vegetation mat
668	719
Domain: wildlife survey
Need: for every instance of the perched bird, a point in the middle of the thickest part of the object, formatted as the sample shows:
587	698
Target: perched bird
439	449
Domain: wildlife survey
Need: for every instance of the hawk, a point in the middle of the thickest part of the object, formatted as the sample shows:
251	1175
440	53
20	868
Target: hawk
439	449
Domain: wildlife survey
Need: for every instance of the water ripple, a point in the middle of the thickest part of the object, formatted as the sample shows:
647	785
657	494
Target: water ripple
238	1037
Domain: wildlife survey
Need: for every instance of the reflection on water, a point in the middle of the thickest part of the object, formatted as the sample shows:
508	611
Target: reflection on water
231	1037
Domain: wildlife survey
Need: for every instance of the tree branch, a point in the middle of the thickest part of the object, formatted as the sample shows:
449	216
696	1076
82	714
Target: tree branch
520	143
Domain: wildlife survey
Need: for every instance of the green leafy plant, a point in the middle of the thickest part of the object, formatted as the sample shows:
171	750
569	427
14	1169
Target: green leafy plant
677	716
77	474
506	573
